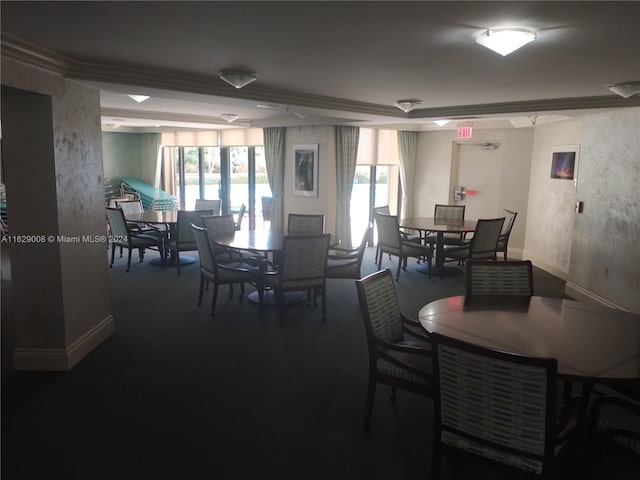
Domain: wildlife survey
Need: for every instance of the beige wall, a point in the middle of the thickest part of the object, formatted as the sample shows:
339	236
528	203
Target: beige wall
594	250
68	192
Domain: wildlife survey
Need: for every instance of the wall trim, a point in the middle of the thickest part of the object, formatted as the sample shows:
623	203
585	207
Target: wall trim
583	295
553	269
63	359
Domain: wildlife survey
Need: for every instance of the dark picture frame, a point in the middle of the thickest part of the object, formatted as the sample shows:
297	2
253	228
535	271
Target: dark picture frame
305	170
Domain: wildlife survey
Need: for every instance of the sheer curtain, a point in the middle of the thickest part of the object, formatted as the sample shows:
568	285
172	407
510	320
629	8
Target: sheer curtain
170	171
151	158
274	158
407	150
346	154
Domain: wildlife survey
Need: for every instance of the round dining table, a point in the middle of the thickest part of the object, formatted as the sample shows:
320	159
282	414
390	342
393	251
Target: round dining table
592	343
425	225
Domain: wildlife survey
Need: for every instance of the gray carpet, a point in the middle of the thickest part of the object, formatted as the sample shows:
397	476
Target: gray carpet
178	394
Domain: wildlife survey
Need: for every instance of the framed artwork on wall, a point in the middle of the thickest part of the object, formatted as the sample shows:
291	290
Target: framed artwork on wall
305	170
564	164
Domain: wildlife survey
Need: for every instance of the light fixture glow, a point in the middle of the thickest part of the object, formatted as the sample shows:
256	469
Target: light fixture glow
229	117
408	105
139	98
441	123
626	89
237	79
505	40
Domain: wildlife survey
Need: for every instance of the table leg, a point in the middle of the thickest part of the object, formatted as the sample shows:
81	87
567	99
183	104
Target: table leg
439	268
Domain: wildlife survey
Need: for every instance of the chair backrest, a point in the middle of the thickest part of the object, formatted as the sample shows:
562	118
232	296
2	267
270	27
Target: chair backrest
380	308
243	208
205	252
485	238
267	208
384	209
304	261
509	220
511	277
117	223
363	244
130	206
446	213
299	223
184	232
388	231
218	226
113	201
496	405
203	204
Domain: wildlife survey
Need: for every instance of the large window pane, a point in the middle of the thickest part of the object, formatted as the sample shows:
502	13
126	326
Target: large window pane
211	164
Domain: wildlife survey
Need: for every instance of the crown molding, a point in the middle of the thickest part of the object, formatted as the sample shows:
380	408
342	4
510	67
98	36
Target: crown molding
167	116
28	53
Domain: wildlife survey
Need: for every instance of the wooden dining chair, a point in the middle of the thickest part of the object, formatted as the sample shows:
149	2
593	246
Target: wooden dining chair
614	426
499	408
204	204
505	233
347	262
484	243
508	278
240	216
447	213
182	239
302	223
400	353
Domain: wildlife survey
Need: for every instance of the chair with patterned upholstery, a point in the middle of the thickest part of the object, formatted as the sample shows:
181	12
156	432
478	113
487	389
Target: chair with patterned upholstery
224	272
204	204
395	359
391	241
240	217
302	267
121	235
300	223
614	425
503	241
347	262
499	408
182	237
508	278
448	214
484	243
223	226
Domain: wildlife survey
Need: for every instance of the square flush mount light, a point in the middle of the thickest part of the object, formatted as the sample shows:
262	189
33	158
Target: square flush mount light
626	89
139	98
237	79
505	40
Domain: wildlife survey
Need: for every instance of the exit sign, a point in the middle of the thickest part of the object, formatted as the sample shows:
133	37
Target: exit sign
465	132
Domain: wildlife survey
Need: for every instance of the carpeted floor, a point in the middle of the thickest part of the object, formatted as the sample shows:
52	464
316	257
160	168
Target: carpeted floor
178	394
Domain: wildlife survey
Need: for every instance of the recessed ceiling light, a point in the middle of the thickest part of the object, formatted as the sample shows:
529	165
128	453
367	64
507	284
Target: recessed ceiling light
139	98
505	40
237	78
408	105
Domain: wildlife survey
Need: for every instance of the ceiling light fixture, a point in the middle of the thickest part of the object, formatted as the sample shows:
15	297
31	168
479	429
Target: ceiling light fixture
229	117
408	105
505	40
237	79
441	123
626	89
139	98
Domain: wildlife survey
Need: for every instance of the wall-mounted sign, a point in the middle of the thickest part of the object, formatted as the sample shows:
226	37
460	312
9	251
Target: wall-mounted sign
465	132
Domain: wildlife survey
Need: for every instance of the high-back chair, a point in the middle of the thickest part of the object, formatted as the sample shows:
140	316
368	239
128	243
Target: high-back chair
614	426
301	223
222	226
484	243
346	263
392	242
302	267
182	239
505	233
123	237
508	278
240	217
267	209
497	408
220	272
452	214
204	204
395	359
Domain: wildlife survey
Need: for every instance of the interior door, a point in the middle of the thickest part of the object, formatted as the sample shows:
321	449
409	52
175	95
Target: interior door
478	170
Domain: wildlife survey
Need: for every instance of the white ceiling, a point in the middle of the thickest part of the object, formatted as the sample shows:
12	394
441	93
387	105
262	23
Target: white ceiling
332	62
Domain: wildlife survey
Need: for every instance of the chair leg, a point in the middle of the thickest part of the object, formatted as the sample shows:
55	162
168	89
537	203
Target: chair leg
324	303
113	253
231	290
214	300
202	280
129	260
371	390
399	266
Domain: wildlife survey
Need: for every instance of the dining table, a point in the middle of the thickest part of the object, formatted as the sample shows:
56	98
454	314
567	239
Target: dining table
426	225
266	242
592	343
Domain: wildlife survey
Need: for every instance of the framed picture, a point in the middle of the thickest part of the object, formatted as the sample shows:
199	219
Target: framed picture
305	170
564	163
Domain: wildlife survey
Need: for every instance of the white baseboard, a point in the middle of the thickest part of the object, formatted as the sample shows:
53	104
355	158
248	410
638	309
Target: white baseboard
582	295
63	359
553	269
